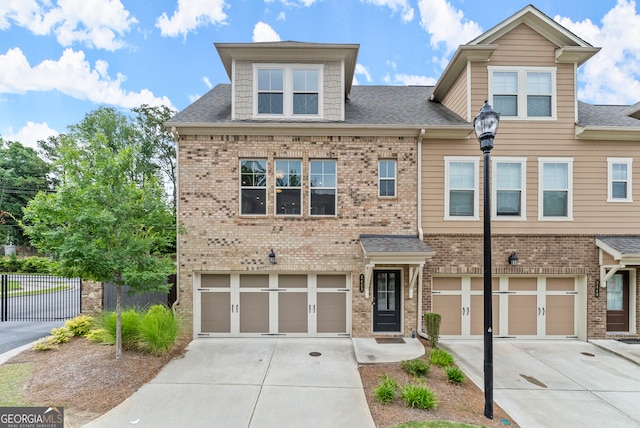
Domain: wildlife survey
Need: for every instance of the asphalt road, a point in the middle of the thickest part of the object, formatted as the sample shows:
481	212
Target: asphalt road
14	334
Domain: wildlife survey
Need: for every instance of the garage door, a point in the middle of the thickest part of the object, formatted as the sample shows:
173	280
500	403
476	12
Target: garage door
523	307
235	305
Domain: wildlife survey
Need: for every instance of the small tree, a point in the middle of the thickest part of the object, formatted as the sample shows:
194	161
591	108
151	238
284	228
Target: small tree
104	222
432	325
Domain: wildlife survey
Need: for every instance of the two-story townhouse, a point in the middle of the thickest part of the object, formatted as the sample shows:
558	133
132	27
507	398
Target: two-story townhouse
314	207
564	210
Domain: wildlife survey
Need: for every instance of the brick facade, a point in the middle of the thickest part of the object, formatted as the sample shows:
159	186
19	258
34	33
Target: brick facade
218	239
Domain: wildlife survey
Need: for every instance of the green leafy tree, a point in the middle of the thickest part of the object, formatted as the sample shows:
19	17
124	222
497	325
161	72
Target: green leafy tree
22	174
107	221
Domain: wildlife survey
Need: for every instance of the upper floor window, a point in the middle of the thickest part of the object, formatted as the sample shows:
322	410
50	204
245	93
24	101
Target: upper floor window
323	186
555	197
523	92
288	179
509	191
619	171
287	90
387	177
461	189
253	187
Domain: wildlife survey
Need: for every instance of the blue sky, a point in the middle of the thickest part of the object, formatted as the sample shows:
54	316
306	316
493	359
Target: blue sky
60	59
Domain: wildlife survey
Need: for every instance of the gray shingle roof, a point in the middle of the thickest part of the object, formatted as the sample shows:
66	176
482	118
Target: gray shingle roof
368	105
627	245
600	115
387	244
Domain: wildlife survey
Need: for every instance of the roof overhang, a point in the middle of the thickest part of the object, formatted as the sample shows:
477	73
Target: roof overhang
394	249
575	54
611	133
624	249
291	52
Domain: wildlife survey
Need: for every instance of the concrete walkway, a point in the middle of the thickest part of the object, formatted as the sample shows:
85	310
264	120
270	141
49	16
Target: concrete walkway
565	383
257	383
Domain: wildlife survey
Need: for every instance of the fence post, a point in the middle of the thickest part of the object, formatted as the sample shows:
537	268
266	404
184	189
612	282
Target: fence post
4	298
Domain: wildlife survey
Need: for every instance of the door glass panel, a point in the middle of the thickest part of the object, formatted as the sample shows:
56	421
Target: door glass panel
386	292
615	301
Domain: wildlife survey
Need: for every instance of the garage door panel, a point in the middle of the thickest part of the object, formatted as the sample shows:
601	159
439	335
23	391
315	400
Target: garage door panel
477	315
293	313
254	312
332	312
560	315
450	310
216	312
523	315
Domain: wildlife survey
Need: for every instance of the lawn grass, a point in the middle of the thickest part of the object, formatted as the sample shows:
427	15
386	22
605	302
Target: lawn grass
34	292
12	379
435	424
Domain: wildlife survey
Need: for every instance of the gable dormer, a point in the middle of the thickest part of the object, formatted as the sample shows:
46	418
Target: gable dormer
289	81
517	65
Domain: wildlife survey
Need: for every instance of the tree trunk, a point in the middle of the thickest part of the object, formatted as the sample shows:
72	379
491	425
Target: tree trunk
118	321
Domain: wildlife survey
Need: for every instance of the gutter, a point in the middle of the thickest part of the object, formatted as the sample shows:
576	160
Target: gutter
176	136
420	234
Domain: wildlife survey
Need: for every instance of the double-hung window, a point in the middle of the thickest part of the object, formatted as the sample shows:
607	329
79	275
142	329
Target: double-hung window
523	92
508	188
555	197
287	90
322	187
288	179
387	177
253	187
461	189
619	172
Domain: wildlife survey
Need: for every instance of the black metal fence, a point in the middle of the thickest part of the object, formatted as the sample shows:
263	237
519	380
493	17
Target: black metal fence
25	297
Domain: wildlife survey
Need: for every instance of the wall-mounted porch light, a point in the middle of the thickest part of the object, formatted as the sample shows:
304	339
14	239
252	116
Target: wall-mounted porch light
272	257
513	259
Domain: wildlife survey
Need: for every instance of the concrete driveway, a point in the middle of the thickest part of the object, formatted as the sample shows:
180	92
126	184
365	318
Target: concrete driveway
257	383
565	383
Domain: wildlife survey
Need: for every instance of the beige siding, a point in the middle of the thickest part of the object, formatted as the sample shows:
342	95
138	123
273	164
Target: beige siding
332	90
456	99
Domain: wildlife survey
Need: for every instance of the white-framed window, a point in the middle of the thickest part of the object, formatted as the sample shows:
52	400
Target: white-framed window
523	92
509	190
287	90
253	187
619	173
555	189
322	187
461	188
288	187
387	178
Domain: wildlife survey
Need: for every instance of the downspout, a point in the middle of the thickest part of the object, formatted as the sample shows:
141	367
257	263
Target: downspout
420	234
176	136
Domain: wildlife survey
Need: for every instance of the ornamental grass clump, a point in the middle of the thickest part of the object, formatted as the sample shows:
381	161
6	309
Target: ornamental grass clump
129	325
416	368
386	389
441	358
454	375
158	330
419	396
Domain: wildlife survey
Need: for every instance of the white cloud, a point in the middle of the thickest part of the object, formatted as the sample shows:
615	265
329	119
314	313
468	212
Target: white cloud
264	33
72	75
446	25
396	6
96	23
190	15
361	69
613	75
411	79
294	3
31	133
207	82
282	16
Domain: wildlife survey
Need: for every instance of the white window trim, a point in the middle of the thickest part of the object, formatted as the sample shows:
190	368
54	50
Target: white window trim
522	91
476	187
610	163
287	98
523	188
395	179
311	189
240	187
275	188
569	162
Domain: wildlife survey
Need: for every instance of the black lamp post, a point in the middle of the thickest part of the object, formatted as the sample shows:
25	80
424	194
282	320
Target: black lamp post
485	125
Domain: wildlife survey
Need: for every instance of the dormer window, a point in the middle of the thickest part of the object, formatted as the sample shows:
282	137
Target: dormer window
287	91
523	92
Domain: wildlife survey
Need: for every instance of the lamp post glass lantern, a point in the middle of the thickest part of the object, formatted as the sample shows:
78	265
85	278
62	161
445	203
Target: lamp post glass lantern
485	125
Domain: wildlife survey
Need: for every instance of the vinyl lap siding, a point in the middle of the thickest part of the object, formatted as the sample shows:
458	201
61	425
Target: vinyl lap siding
456	98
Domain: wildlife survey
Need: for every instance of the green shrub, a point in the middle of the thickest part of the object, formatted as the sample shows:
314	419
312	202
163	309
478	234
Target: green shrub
416	368
130	322
432	326
440	357
158	330
99	335
454	375
46	344
386	389
80	325
32	264
418	396
61	334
